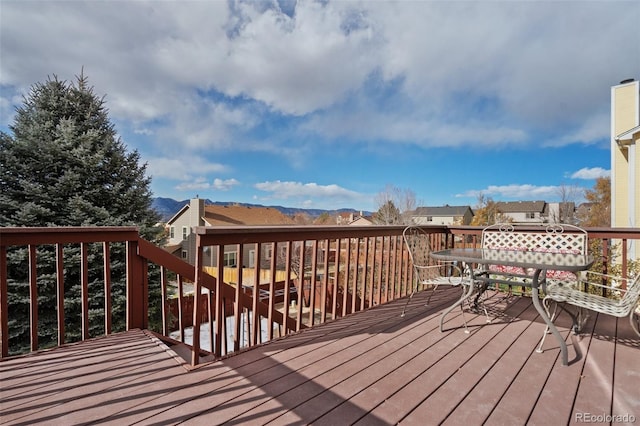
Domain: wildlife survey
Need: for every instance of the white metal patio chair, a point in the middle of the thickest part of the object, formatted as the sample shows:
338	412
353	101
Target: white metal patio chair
428	272
620	303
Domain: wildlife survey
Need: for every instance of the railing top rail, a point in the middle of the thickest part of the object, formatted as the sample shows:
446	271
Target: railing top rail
10	236
211	235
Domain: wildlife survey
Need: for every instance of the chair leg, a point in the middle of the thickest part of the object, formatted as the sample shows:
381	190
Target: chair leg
466	294
635	323
404	309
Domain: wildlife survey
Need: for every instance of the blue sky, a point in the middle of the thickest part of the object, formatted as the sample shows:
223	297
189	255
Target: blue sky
325	104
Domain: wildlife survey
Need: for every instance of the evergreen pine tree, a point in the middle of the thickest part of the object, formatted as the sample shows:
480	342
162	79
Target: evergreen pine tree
64	165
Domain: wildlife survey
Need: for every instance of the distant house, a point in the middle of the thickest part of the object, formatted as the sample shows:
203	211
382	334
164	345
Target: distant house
445	215
361	221
523	211
182	240
560	212
349	218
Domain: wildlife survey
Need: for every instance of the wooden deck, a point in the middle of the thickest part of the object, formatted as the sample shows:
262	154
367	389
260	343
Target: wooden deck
369	368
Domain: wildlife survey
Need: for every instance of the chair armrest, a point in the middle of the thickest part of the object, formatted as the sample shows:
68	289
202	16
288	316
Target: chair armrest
594	279
590	276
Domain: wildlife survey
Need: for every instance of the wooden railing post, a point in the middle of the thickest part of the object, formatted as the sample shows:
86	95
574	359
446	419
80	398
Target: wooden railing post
136	303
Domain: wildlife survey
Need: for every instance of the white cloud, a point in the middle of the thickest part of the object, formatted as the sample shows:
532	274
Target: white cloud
199	183
515	192
183	168
285	190
445	61
591	173
203	183
224	185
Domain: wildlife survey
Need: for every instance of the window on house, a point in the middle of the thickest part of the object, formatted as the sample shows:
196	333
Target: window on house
185	232
172	232
252	258
429	218
531	216
268	251
184	254
230	258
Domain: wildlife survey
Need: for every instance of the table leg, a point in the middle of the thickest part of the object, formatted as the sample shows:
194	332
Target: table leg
547	320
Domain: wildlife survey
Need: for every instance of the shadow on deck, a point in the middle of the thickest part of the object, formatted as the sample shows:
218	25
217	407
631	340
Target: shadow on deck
372	367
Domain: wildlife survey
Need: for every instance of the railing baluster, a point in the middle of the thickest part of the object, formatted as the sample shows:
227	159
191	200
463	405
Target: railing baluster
287	284
272	290
33	297
345	282
221	318
379	264
163	293
238	308
334	282
325	282
367	288
301	285
4	304
372	267
211	308
312	283
106	253
356	275
180	307
388	285
255	323
60	292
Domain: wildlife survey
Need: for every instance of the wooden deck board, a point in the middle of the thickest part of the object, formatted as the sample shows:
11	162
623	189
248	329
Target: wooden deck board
369	368
626	381
595	389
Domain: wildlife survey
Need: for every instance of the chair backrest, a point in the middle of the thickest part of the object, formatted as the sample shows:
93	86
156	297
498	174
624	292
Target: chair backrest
426	270
418	245
556	238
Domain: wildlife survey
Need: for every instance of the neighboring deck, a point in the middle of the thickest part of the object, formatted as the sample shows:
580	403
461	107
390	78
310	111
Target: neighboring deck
372	367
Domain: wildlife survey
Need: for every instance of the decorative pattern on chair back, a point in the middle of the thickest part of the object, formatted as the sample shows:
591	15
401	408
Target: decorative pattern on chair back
557	238
419	246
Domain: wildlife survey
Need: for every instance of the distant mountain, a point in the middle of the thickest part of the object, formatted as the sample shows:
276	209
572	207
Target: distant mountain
168	207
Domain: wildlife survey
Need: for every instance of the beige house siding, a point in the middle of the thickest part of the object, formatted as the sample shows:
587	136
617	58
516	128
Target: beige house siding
444	215
197	214
181	226
625	158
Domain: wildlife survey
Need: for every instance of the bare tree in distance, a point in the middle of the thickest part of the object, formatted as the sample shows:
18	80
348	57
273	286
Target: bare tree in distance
486	212
567	194
395	205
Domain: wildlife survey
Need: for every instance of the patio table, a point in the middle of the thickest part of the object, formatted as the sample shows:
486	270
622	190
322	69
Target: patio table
528	260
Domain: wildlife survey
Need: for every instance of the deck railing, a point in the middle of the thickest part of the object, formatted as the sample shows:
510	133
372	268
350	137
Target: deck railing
298	277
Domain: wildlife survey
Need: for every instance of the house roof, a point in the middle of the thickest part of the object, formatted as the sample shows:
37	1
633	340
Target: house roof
173	248
520	206
628	135
178	214
442	211
230	215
